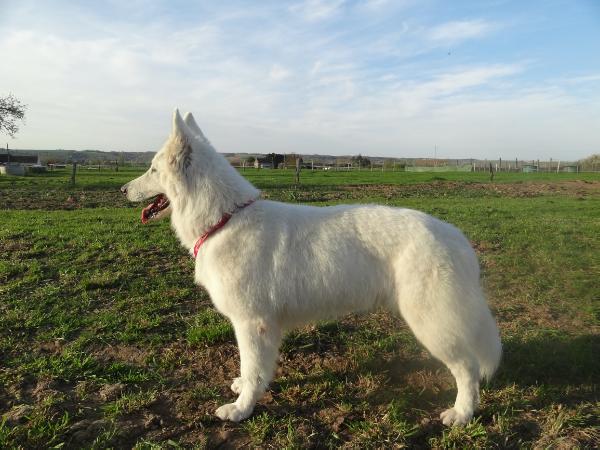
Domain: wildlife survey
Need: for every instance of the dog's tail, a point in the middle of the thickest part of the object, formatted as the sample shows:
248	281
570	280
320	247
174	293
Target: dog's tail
488	348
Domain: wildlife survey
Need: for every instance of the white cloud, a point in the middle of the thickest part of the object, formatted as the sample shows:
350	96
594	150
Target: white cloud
278	73
453	32
314	10
452	82
375	4
584	79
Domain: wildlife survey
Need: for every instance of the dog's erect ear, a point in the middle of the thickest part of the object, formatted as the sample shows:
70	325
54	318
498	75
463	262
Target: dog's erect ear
180	129
180	149
193	126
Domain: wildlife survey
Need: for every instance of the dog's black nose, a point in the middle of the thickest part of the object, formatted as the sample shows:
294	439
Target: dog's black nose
124	189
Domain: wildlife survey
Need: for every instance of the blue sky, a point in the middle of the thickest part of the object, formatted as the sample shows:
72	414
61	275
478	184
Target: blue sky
481	79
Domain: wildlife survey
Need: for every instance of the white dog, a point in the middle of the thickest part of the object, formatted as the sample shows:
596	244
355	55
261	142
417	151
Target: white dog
270	267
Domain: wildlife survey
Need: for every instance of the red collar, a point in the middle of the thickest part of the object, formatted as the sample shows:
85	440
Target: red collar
216	227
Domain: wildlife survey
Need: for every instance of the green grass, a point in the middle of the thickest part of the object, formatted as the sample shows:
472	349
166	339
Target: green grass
283	178
129	403
60	178
90	298
209	327
107	179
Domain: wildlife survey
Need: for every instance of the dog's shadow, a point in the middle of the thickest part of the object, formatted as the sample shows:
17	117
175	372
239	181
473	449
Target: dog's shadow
550	359
563	369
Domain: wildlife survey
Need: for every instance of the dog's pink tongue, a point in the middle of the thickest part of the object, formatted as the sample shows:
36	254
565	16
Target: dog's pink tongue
146	212
157	204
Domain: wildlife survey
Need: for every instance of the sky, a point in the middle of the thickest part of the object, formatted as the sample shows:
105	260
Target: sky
405	78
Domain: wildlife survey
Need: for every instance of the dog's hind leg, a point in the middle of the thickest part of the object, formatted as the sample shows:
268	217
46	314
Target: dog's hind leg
467	397
259	346
453	322
447	345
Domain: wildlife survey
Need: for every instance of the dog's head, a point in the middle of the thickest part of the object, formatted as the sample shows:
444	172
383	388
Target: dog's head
168	173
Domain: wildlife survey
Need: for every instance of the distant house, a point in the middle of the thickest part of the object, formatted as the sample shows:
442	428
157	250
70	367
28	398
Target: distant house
15	164
269	161
572	169
22	159
262	163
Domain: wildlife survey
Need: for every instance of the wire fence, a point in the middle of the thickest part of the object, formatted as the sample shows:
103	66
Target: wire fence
438	165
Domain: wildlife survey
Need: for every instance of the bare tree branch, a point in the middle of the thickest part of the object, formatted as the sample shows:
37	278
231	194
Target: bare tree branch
11	111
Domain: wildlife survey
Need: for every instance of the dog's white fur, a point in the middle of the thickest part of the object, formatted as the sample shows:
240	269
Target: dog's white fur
276	266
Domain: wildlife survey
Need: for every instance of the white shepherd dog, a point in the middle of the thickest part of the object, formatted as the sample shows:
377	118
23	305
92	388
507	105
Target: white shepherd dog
275	266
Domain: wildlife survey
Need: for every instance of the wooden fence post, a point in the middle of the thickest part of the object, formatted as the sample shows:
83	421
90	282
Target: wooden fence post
73	171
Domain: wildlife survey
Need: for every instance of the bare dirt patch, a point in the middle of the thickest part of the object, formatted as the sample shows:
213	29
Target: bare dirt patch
122	353
69	200
60	199
436	189
445	188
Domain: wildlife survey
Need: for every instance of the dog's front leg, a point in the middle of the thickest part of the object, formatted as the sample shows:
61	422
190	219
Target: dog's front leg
258	342
237	385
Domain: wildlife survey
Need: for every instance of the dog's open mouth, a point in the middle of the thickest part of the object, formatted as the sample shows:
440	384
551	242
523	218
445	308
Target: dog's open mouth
156	209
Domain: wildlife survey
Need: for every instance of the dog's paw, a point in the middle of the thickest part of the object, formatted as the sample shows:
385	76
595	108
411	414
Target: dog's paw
231	412
453	417
237	385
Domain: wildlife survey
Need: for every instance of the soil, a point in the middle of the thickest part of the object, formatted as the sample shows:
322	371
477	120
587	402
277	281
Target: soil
66	200
60	199
439	189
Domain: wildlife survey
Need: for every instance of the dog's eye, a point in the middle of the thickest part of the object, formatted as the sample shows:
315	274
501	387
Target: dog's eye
152	169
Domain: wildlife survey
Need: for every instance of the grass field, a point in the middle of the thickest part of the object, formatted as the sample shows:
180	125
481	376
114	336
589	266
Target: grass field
106	342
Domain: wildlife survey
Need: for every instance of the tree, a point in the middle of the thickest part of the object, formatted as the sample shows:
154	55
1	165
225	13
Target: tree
11	111
388	164
275	159
290	160
590	163
361	161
